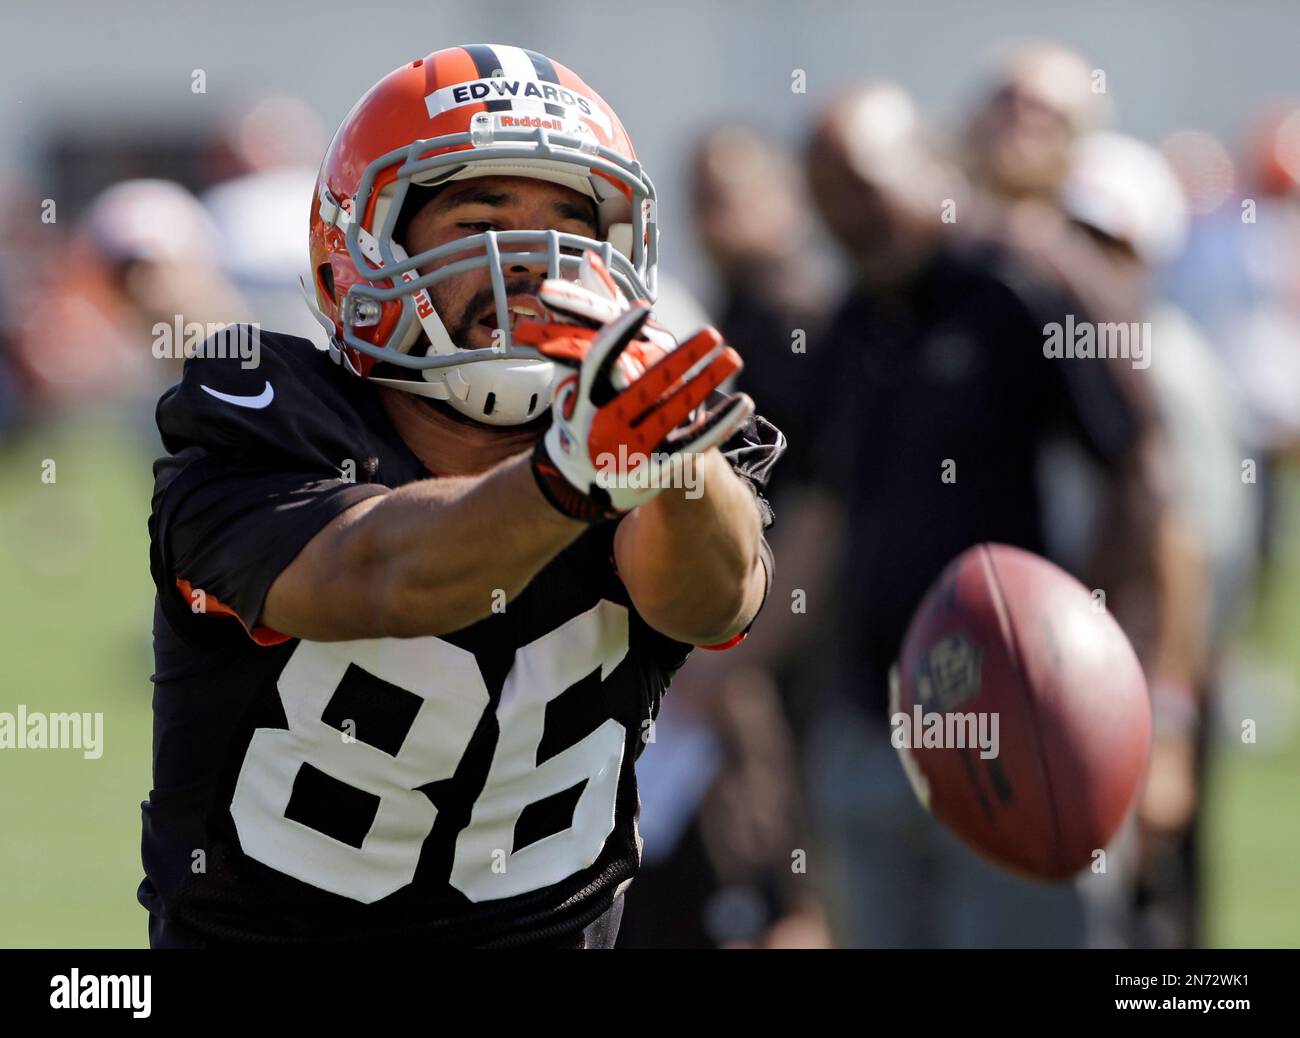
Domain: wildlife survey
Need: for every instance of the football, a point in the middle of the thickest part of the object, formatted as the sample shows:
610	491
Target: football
1020	712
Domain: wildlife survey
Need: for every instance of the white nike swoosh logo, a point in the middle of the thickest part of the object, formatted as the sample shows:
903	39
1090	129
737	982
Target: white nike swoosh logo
255	402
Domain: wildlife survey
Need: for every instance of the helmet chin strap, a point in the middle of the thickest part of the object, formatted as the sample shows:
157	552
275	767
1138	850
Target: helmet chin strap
433	384
430	390
439	341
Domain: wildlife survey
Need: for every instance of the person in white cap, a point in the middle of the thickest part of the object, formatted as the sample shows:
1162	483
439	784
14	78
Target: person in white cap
1123	192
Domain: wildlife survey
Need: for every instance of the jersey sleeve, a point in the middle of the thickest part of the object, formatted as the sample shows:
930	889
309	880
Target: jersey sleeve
257	465
222	534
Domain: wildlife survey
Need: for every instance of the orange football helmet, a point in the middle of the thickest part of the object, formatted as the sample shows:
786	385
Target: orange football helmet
476	110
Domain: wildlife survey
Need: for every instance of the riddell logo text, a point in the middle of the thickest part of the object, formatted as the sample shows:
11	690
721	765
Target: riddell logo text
531	122
73	991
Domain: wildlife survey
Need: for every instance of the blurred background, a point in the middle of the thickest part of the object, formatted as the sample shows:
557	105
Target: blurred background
882	206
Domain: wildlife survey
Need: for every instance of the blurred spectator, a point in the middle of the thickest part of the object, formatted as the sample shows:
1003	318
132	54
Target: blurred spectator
1124	193
261	211
725	860
1018	140
722	806
29	245
1017	145
1020	145
1240	279
752	217
144	254
935	356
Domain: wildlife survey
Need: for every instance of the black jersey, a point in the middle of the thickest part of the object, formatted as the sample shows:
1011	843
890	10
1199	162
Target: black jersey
473	788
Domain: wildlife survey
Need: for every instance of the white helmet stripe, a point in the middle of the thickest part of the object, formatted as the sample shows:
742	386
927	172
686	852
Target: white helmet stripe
515	64
510	81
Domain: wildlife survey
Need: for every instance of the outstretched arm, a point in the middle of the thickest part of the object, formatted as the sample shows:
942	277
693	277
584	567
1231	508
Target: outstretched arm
423	559
691	564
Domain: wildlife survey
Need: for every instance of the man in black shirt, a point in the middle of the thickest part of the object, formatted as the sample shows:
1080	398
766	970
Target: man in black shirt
946	403
935	426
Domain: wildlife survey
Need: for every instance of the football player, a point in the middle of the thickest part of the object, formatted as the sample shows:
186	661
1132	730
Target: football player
419	596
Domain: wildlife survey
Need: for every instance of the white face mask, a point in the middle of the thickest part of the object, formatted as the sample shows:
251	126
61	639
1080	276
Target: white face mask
505	384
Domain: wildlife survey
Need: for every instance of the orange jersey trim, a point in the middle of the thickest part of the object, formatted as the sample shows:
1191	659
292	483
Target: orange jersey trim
730	643
261	635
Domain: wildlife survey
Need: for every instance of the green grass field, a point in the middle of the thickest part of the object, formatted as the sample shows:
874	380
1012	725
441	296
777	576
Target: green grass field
1253	846
75	616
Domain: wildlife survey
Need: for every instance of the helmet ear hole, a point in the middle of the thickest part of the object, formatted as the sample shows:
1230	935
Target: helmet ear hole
325	275
417	197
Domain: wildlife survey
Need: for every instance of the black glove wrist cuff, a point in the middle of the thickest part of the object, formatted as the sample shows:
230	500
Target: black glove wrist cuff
564	497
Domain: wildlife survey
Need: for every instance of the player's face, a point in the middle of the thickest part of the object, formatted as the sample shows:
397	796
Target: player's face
465	302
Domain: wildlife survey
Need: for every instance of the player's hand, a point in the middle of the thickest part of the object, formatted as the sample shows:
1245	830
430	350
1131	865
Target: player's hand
630	407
